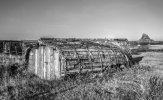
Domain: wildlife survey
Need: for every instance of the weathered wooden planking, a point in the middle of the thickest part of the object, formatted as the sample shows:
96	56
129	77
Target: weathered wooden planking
57	64
31	65
36	61
42	62
53	64
58	59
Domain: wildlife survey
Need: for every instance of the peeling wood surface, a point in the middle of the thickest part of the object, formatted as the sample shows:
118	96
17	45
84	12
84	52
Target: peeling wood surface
58	57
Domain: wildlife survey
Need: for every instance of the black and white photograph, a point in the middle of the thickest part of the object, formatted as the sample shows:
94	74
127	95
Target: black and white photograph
81	49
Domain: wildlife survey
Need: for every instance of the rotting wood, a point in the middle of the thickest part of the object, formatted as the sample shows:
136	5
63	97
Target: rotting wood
90	58
78	55
79	62
36	59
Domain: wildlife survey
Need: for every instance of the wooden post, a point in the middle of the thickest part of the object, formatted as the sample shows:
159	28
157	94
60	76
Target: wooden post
101	62
115	56
99	55
63	64
15	50
78	61
102	57
79	66
65	67
90	58
109	58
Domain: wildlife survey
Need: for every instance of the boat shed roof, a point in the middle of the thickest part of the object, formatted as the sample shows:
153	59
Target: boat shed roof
71	43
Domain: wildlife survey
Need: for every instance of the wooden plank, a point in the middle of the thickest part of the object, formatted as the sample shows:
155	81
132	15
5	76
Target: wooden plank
91	58
52	67
62	66
44	63
70	71
98	66
31	62
79	64
76	59
65	67
39	62
51	63
48	63
36	61
57	64
85	50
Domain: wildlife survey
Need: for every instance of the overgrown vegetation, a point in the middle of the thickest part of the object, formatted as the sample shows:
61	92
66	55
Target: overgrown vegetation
135	83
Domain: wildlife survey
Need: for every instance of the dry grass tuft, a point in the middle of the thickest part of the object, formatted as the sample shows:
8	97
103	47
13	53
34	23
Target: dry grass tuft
135	83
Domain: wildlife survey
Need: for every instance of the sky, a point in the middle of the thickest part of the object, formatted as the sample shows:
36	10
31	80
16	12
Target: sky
32	19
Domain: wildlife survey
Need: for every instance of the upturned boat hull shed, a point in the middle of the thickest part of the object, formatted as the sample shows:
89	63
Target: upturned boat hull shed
54	58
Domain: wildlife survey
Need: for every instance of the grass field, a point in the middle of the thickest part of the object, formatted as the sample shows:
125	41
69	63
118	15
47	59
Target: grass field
154	60
140	82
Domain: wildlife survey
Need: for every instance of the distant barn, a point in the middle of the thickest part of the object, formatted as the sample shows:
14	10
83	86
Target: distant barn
14	51
10	51
54	58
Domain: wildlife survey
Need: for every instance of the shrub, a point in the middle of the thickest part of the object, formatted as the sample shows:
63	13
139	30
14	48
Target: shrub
155	88
133	83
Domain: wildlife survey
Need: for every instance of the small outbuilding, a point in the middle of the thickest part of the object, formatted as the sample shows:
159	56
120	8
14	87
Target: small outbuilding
11	51
56	57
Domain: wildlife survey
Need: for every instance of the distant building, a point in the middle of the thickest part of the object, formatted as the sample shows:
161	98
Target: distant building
14	51
11	51
145	39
